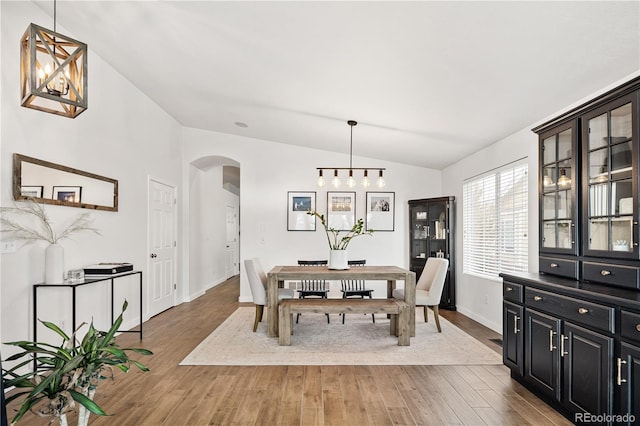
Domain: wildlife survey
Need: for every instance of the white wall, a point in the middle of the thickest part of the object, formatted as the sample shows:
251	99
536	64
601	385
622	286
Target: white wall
268	170
479	298
122	135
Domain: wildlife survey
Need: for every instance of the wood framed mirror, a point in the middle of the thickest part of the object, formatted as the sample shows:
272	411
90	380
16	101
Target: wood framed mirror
52	183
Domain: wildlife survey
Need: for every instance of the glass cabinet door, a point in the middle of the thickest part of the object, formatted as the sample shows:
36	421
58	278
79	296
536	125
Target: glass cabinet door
420	231
611	179
557	189
429	233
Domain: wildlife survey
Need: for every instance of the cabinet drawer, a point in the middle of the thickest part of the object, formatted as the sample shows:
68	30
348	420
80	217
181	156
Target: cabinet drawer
630	325
512	292
623	276
560	267
576	310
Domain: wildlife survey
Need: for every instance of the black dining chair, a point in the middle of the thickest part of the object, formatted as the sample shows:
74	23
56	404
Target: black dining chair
356	288
313	288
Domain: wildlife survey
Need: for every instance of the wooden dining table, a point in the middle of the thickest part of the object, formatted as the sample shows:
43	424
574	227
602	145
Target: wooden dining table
279	274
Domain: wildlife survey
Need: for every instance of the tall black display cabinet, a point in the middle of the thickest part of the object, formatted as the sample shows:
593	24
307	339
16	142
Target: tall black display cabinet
571	333
431	234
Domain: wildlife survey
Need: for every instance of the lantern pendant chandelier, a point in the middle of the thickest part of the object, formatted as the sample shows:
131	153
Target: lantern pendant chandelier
53	71
351	181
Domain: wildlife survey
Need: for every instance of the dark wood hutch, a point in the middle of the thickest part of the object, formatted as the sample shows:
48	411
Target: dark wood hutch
571	333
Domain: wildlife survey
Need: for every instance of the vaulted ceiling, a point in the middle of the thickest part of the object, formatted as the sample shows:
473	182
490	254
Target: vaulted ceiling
429	82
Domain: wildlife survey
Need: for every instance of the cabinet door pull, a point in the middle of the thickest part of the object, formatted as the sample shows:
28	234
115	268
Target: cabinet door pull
537	298
619	379
515	324
551	347
562	339
582	311
509	289
604	272
553	265
637	327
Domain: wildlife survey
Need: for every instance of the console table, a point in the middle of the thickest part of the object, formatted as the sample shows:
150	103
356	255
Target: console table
73	287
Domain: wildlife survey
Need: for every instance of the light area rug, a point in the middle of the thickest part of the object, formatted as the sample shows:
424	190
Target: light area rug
357	342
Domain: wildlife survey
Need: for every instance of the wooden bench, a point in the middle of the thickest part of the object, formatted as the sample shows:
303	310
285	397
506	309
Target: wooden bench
397	309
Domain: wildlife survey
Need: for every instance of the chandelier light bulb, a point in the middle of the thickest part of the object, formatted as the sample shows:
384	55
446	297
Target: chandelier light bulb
380	183
366	182
321	182
335	182
351	182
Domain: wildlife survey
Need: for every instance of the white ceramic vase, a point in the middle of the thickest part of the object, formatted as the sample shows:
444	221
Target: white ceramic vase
54	264
338	259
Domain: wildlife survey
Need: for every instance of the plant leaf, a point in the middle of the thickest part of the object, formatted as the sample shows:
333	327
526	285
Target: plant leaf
87	403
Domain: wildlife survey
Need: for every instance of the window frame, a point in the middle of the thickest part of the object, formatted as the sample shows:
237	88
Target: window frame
494	248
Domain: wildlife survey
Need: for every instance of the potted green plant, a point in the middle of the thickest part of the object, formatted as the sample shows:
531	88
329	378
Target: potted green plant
68	373
339	240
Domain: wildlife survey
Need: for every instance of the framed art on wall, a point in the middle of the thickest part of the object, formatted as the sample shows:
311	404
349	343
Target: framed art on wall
298	203
380	211
71	194
341	210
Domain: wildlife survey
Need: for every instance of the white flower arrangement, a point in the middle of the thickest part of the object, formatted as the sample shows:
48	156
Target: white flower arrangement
43	230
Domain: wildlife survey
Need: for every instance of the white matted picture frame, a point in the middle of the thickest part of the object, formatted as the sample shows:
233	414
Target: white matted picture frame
381	207
72	194
298	204
341	210
32	191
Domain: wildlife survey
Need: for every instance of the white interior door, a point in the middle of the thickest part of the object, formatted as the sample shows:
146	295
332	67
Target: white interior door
231	247
162	246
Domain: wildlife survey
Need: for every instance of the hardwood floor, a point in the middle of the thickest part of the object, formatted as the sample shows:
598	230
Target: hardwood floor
302	395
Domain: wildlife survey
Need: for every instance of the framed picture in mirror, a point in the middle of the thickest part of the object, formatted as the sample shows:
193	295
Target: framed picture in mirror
70	194
31	191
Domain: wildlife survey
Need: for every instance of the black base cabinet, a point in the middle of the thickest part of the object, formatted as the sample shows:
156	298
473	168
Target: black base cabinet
628	378
542	361
581	346
512	350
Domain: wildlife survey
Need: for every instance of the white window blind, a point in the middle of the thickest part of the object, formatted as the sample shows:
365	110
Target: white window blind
495	222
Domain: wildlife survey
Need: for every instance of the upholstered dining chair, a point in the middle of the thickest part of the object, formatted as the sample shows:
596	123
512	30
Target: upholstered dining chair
429	287
356	288
258	284
313	288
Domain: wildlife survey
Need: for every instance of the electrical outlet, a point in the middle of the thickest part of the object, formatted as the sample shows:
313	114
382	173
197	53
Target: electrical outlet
7	247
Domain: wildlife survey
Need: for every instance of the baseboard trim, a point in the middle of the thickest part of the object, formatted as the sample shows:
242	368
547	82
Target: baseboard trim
482	320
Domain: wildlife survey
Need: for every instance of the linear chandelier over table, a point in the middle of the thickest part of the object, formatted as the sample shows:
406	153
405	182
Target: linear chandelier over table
351	181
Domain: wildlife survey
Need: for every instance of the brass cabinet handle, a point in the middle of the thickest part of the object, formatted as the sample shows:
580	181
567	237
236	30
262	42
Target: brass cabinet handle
515	324
562	339
509	288
619	379
582	311
604	272
551	347
553	265
537	298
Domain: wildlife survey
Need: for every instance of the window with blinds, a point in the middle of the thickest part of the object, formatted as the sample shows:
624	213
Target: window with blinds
495	222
